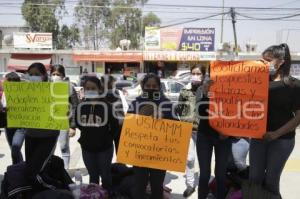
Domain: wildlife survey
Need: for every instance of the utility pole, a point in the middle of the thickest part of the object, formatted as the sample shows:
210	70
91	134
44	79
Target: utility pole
233	18
222	22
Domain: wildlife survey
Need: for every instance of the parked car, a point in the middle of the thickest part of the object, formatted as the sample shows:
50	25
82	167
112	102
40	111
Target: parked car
180	74
170	87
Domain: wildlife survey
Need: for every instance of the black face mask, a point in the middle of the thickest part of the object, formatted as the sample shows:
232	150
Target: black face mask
151	94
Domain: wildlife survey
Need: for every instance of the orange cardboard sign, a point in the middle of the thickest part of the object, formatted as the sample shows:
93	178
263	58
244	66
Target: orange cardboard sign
154	143
239	98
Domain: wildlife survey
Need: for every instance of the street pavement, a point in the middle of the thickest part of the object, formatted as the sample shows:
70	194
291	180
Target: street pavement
290	180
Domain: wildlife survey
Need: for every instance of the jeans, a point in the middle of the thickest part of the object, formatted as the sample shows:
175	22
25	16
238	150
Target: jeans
190	172
143	176
240	150
205	145
99	164
267	160
64	140
15	139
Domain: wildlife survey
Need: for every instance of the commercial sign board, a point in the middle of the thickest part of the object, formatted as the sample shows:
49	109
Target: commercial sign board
181	39
32	40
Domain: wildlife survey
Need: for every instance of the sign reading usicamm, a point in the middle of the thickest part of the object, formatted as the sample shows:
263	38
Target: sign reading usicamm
37	105
154	143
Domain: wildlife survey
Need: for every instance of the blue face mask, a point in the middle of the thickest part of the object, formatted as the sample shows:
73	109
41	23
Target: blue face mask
91	94
35	78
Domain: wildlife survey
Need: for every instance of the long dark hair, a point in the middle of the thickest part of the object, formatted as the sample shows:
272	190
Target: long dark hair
150	76
59	68
40	67
281	52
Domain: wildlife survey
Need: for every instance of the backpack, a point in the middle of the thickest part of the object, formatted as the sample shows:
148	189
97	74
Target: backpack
93	191
16	185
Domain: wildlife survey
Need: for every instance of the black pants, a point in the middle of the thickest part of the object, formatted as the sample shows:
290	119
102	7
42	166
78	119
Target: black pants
37	153
143	176
205	145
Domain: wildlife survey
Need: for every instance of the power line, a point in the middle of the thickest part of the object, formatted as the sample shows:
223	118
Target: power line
284	4
159	5
270	19
193	20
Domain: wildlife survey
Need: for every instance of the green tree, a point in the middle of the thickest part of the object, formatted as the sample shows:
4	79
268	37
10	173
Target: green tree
151	19
91	17
43	16
127	22
68	37
104	23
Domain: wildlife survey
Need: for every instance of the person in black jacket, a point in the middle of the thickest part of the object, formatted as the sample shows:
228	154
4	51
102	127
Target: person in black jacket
148	104
58	75
98	128
207	140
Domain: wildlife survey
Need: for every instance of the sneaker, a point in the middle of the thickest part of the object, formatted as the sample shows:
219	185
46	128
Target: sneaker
188	192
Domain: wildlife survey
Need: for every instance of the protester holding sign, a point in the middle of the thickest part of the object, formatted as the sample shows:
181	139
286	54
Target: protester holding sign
187	112
149	104
268	156
98	128
207	140
39	143
58	75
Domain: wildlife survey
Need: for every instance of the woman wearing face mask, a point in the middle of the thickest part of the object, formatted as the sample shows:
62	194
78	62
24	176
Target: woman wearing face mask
58	75
148	104
187	112
98	127
39	143
268	156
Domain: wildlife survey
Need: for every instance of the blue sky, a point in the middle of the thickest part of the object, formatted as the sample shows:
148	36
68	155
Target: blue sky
264	33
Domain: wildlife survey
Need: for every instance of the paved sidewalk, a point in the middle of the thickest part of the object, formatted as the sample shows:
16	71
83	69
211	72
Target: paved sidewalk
289	183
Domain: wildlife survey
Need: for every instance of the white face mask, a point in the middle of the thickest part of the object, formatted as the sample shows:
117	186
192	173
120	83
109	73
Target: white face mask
35	78
56	78
196	79
91	94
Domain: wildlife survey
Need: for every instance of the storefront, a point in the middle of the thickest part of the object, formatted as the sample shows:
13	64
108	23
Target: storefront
166	63
111	62
21	61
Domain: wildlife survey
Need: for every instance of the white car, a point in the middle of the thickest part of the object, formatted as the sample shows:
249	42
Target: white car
170	87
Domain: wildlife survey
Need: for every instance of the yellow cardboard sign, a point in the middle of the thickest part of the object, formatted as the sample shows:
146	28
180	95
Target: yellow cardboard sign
38	105
154	143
